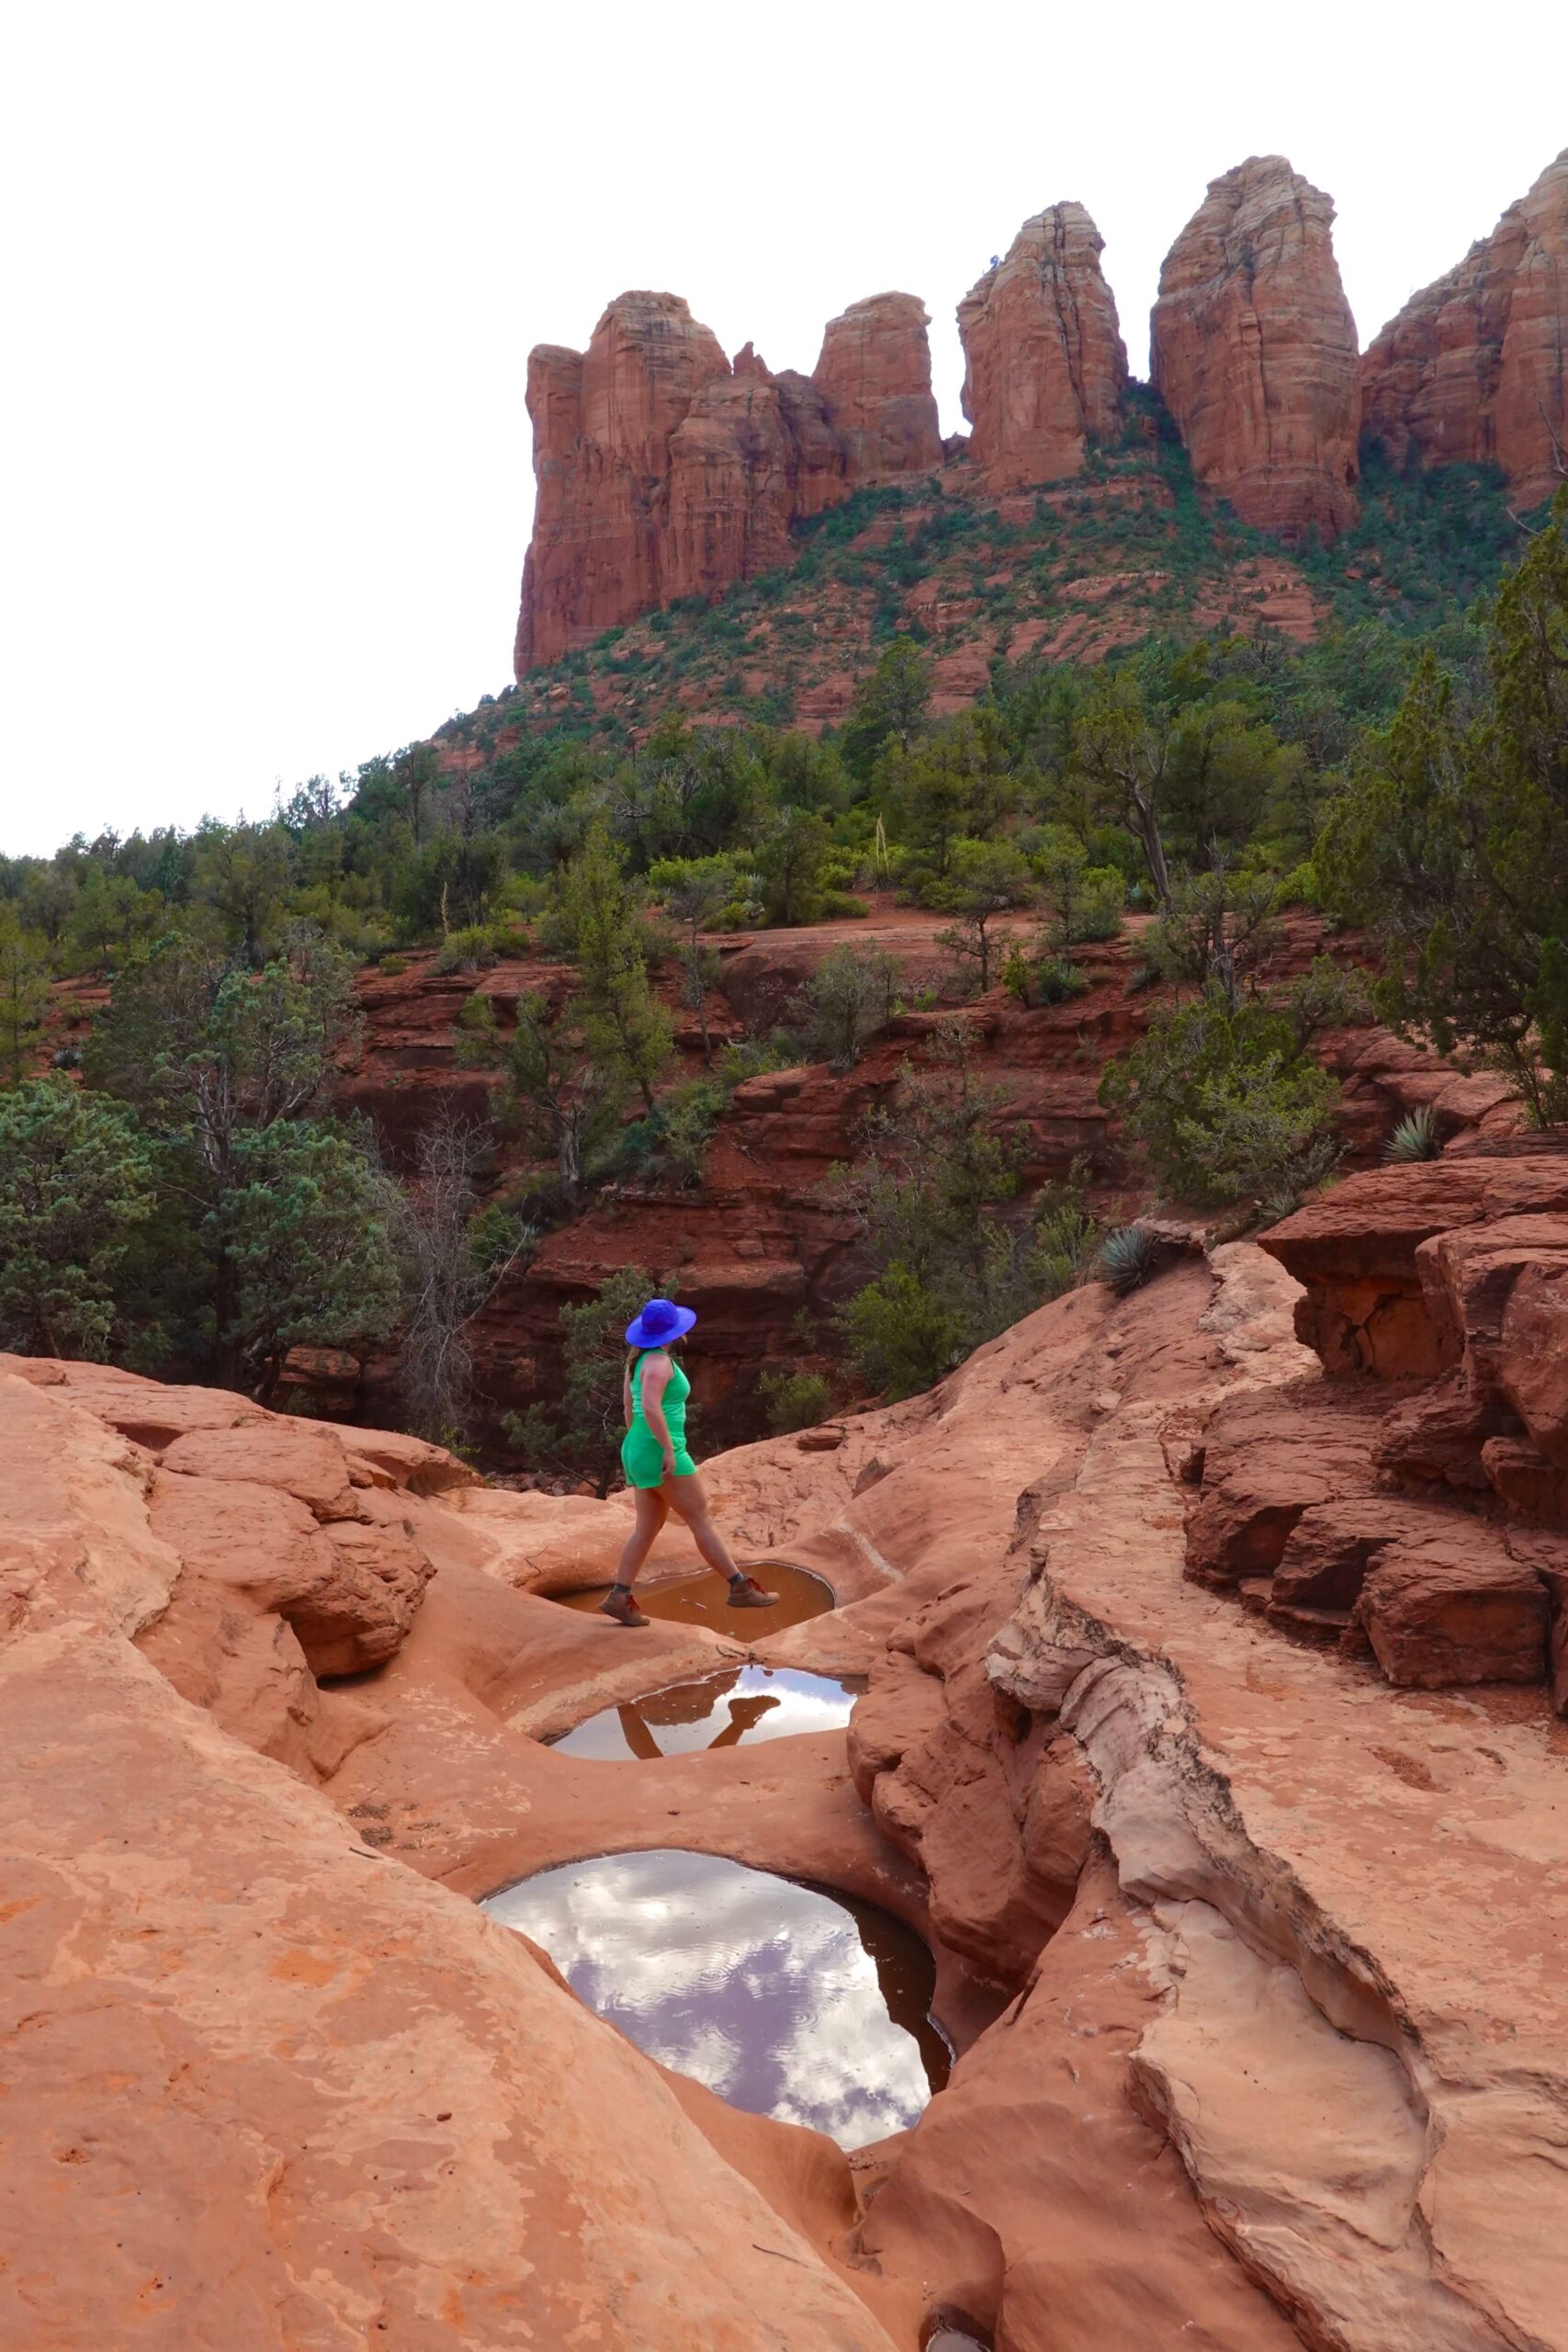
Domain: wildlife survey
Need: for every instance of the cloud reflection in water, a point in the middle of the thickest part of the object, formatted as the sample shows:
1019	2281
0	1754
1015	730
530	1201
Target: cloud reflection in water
786	2000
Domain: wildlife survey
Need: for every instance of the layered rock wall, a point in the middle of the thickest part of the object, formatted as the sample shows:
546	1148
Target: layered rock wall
1253	350
1046	368
1475	367
662	471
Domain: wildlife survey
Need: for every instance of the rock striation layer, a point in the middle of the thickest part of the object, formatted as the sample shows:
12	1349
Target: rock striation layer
1475	367
1045	369
662	471
1253	349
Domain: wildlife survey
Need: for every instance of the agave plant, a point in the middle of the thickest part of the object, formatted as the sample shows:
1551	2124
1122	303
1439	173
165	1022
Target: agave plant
1128	1257
1415	1138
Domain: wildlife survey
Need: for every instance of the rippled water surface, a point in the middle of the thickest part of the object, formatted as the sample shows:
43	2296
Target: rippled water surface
702	1600
787	2000
740	1703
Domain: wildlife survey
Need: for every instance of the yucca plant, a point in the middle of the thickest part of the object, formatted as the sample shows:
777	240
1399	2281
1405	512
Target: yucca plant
1415	1138
1128	1257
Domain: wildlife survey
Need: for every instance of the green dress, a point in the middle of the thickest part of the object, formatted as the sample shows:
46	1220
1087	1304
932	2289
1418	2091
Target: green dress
640	1456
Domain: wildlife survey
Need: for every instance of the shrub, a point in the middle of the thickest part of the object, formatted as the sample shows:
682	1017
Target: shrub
899	1337
469	950
1067	1235
1055	980
1128	1258
847	1000
394	967
1223	1100
843	906
794	1400
1414	1138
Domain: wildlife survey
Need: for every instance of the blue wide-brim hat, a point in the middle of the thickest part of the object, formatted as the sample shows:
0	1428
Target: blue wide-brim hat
658	1324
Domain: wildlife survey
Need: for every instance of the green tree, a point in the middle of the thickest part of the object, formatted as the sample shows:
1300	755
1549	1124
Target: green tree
76	1181
244	871
696	893
1225	1103
211	1056
566	1104
1450	841
790	860
849	997
24	997
110	916
957	785
985	879
304	1227
1122	753
628	1033
950	1273
892	706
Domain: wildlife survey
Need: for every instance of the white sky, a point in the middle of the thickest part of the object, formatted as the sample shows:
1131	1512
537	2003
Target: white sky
271	276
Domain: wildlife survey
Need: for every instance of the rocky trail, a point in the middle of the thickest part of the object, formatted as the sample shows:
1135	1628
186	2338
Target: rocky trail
1203	1728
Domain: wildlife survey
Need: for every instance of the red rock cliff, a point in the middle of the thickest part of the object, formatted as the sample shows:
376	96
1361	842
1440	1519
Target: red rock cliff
1045	368
1475	367
1254	351
664	473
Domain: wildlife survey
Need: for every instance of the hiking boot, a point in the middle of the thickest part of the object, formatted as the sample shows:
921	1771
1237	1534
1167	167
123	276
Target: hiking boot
745	1592
620	1603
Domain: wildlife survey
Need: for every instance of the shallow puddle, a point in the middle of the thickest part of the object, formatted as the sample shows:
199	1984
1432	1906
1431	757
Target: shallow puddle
738	1703
702	1600
784	1999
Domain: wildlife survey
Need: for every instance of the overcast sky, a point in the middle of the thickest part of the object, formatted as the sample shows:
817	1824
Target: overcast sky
272	275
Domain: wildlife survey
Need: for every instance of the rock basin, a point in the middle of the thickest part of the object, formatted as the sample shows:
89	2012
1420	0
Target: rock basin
700	1599
737	1704
785	1999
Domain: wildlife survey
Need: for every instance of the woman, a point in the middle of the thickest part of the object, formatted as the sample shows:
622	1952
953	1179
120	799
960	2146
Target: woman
659	1469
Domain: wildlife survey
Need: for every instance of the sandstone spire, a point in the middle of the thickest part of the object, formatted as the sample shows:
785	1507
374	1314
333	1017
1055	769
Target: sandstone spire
602	428
1475	367
874	374
1254	351
1046	368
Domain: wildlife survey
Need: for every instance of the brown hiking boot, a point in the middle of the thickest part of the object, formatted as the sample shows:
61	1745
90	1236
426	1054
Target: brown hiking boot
745	1592
620	1603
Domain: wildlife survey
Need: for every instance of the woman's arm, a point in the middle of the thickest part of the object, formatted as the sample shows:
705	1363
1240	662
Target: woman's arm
655	1377
627	1392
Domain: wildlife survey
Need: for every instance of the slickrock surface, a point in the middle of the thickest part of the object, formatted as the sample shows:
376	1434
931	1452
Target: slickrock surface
1046	368
662	471
1475	367
1254	1962
1253	349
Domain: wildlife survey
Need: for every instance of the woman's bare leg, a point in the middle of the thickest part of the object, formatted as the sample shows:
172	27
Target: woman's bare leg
652	1511
687	1499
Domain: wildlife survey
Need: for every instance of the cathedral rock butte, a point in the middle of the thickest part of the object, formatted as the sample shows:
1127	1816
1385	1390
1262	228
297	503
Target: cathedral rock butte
664	470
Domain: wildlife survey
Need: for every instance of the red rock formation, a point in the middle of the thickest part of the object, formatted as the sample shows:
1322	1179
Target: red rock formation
1045	368
1475	367
1253	350
601	426
875	373
662	472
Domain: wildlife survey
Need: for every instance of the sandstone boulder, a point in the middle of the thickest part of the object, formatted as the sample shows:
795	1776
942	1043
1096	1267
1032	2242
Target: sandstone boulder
1270	1455
1454	1608
1253	349
1473	367
1046	368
